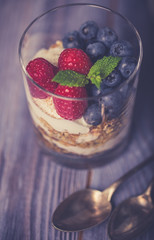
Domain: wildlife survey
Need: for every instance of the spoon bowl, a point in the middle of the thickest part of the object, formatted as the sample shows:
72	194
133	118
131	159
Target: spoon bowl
132	216
83	208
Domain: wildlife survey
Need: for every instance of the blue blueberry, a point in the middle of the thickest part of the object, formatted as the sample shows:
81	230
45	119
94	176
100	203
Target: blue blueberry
105	89
90	41
121	48
113	79
93	115
92	90
72	40
127	66
107	36
128	89
125	90
113	104
88	30
95	50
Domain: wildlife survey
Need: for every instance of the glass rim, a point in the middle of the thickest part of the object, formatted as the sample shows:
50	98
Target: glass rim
139	60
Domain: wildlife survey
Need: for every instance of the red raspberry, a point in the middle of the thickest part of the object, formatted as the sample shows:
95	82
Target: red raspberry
74	59
42	72
70	109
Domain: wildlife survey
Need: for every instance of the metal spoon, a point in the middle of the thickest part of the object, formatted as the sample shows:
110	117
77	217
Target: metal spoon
88	207
132	216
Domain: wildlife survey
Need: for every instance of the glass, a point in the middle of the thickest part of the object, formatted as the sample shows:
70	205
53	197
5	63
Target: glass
74	142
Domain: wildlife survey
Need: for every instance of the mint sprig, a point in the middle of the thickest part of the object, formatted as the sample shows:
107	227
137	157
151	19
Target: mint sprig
70	78
102	68
99	71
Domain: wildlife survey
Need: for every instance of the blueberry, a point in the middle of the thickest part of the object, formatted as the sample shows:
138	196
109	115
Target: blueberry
72	40
107	36
113	105
105	89
125	90
90	41
88	30
92	115
95	51
127	66
121	48
113	79
128	89
92	90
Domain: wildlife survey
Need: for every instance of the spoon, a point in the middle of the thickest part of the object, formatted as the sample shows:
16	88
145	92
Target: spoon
88	207
132	216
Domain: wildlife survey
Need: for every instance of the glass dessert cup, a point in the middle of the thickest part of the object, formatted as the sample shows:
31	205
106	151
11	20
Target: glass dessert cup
76	143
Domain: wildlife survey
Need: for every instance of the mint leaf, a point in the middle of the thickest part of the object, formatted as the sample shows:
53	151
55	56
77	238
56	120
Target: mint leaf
70	78
102	68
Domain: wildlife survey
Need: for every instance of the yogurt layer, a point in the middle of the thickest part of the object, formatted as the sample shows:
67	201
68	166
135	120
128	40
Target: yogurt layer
51	54
44	109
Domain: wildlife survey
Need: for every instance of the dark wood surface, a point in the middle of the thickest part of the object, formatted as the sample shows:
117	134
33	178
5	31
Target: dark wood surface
31	184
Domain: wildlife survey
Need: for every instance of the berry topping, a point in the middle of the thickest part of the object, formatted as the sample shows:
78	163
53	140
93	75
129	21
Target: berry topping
74	59
72	40
92	90
102	68
88	30
95	51
70	109
126	90
42	72
113	105
121	48
127	66
92	115
105	89
107	36
113	79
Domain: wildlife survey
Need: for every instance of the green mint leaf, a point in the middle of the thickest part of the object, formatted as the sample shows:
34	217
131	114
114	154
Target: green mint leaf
70	78
102	68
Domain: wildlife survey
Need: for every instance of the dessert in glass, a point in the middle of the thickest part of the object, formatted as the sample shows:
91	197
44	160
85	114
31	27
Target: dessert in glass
80	76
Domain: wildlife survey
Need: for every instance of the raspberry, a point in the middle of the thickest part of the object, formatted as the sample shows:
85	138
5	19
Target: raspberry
42	72
74	59
70	109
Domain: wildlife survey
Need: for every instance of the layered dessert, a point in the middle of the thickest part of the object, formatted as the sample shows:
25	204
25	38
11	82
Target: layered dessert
77	92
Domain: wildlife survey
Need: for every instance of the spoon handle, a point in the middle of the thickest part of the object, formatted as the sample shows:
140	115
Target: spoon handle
149	189
113	187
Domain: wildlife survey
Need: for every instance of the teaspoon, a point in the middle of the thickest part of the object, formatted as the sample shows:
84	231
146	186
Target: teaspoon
88	207
132	216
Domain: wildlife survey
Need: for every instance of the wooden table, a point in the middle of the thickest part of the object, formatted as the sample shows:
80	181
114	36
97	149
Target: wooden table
31	185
